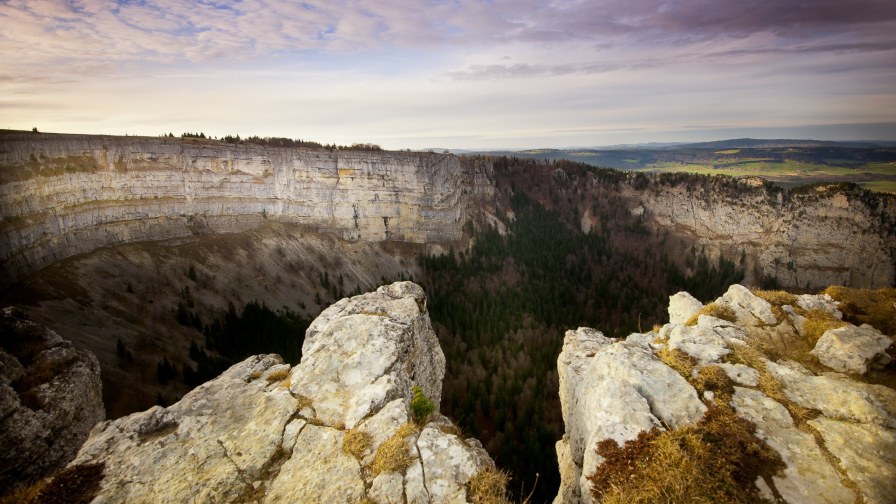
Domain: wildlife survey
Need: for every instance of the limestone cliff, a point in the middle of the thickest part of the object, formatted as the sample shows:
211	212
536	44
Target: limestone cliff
62	195
337	427
832	434
827	235
50	398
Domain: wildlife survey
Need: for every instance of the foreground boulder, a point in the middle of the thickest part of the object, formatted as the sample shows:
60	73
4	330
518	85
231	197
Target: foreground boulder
338	427
50	398
809	432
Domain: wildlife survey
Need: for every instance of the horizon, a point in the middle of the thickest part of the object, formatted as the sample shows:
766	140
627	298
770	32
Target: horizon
466	74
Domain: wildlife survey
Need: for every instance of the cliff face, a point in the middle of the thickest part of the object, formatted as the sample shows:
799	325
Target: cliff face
812	239
802	427
338	427
62	195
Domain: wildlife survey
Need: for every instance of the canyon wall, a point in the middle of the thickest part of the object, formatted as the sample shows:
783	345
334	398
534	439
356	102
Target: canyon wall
806	238
62	195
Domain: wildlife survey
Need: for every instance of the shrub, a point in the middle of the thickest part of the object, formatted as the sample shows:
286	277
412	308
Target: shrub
421	406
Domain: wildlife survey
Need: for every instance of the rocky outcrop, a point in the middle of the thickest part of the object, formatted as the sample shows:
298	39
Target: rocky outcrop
265	432
62	195
834	434
50	398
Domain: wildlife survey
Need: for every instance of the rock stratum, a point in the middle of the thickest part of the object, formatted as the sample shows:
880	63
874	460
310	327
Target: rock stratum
62	195
832	435
806	239
338	427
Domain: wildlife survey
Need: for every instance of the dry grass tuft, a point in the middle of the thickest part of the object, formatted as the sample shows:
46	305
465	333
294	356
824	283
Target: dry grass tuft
715	379
77	484
777	297
303	401
677	360
278	376
406	430
865	306
255	375
714	310
656	328
356	442
717	460
27	495
818	322
392	456
489	486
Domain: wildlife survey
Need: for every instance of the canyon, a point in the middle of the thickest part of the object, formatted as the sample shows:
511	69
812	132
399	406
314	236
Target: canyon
104	237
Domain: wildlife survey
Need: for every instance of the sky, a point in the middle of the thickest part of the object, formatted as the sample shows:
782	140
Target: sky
463	74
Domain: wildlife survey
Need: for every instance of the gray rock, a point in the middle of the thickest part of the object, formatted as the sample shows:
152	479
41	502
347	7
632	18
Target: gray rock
448	465
375	331
579	347
750	309
851	349
387	488
820	302
570	474
809	478
740	374
700	342
682	307
318	471
835	397
867	453
671	398
50	398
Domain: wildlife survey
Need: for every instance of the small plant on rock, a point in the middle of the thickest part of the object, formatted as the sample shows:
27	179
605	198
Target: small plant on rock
421	406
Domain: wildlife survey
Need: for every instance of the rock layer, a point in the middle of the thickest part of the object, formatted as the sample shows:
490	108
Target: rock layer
62	195
50	398
252	435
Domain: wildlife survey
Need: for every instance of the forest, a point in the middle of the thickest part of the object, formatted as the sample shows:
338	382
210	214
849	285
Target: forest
502	306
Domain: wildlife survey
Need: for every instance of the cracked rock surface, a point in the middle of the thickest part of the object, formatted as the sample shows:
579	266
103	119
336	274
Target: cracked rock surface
842	451
246	438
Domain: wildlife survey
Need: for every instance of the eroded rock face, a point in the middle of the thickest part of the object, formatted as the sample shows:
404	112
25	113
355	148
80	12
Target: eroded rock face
66	194
251	436
50	398
841	450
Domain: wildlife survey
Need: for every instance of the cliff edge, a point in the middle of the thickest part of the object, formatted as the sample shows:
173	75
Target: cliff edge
344	425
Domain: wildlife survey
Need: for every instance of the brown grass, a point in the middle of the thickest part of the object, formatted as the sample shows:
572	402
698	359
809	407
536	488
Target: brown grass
717	460
714	310
489	486
819	321
777	297
865	306
77	484
392	456
356	442
303	401
716	380
677	360
277	376
656	328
